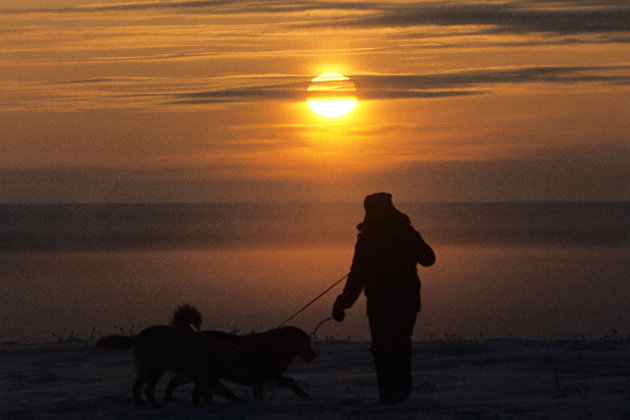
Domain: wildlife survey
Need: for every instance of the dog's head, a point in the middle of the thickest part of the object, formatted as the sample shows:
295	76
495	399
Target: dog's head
186	317
299	342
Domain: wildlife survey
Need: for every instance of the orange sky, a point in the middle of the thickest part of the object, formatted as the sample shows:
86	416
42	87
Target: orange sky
198	100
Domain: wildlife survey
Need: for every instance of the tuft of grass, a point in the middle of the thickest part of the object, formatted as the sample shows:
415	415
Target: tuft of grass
73	337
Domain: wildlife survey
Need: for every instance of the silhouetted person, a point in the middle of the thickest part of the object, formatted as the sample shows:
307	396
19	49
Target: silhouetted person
384	268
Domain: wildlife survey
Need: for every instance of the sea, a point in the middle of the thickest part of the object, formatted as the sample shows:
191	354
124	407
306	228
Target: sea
537	270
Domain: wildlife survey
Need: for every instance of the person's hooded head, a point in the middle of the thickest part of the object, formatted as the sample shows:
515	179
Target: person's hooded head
380	212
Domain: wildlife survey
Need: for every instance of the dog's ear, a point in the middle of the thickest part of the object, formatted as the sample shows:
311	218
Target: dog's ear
185	317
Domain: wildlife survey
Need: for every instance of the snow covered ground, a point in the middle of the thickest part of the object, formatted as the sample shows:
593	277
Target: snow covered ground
453	379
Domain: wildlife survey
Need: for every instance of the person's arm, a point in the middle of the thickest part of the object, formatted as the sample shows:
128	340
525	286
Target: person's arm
351	291
354	285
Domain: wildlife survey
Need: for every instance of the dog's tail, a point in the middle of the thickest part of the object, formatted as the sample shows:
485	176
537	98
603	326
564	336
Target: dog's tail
186	317
116	342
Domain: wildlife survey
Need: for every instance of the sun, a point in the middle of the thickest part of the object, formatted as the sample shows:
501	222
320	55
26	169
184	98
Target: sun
332	95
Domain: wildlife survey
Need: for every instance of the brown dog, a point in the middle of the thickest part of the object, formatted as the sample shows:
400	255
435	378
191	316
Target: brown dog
267	356
194	357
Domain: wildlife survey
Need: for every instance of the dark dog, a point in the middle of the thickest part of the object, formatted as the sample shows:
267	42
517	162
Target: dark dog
194	357
267	356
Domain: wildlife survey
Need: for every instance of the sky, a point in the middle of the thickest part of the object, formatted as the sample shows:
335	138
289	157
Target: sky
206	100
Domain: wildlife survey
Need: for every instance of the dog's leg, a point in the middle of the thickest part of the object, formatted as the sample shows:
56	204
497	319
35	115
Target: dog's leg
152	381
197	394
222	391
137	388
258	388
172	385
285	382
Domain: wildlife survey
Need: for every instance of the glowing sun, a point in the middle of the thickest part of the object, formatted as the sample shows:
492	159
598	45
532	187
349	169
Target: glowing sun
332	95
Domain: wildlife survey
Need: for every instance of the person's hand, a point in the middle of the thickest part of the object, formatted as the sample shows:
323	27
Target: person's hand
338	312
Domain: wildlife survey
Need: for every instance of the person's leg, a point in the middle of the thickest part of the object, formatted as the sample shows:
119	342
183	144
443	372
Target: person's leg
385	371
403	357
402	368
391	350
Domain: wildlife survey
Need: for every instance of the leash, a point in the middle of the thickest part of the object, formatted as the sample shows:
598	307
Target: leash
313	334
313	301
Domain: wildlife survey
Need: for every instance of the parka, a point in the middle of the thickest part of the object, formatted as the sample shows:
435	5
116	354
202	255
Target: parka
384	266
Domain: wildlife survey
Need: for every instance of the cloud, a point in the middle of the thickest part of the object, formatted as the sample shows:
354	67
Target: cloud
291	91
572	17
156	93
523	17
271	94
214	6
117	7
570	21
410	86
94	80
471	78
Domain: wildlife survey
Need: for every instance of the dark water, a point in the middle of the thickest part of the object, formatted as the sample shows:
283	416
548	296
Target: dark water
538	270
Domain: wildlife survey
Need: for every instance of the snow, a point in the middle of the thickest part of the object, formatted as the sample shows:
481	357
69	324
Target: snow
453	379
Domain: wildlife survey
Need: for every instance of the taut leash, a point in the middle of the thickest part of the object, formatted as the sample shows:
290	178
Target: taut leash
315	300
